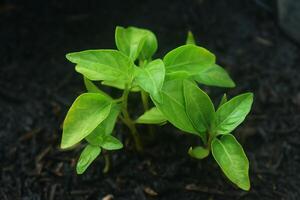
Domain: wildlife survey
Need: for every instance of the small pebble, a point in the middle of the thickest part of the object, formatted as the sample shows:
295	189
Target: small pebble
150	191
108	197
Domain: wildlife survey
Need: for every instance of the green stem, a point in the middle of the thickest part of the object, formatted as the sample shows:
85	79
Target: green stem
129	122
210	138
145	100
144	95
107	163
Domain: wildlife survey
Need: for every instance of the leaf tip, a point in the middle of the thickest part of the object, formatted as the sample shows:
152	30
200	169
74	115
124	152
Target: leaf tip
65	145
69	56
79	171
246	186
231	84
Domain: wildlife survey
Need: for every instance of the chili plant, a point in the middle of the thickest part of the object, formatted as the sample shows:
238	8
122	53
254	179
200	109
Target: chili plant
172	85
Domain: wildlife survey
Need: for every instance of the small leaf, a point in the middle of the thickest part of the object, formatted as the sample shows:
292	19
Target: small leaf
104	128
232	159
152	116
111	143
233	113
173	106
198	152
107	65
214	76
149	47
85	114
187	60
190	38
88	155
136	42
223	100
199	107
92	88
151	78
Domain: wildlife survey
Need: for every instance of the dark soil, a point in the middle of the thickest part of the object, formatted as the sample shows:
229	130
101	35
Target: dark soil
38	85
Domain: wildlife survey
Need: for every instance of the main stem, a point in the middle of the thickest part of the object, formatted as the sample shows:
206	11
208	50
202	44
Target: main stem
208	145
144	95
129	122
145	100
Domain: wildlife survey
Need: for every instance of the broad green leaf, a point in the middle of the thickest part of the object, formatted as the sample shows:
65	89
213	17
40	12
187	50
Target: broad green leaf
232	113
199	107
111	143
149	47
173	106
107	65
88	155
120	84
152	116
151	78
136	42
198	152
107	142
232	159
190	38
223	100
214	76
85	114
104	128
92	88
187	60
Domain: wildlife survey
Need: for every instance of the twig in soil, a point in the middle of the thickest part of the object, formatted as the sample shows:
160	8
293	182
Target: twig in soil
3	195
29	134
39	157
52	192
58	168
197	188
43	153
80	192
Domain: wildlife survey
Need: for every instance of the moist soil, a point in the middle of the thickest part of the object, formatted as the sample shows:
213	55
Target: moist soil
38	85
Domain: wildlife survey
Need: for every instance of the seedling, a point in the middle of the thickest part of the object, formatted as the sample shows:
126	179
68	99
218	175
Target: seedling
171	84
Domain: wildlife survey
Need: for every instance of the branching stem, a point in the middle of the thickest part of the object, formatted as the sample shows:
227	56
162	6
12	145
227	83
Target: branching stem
129	122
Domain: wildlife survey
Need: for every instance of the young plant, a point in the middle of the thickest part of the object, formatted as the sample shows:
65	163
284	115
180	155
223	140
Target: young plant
171	83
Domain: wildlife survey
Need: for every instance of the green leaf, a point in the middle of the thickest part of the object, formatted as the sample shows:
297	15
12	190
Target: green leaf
152	116
85	114
120	84
107	65
88	155
233	113
92	88
104	128
187	60
149	47
136	42
190	38
111	143
223	100
173	106
199	107
214	76
198	152
151	78
232	159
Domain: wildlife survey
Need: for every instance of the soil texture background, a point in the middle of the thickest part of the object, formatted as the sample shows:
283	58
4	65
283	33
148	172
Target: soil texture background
38	85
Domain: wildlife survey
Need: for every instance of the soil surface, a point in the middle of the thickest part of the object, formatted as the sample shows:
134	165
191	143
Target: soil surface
38	85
